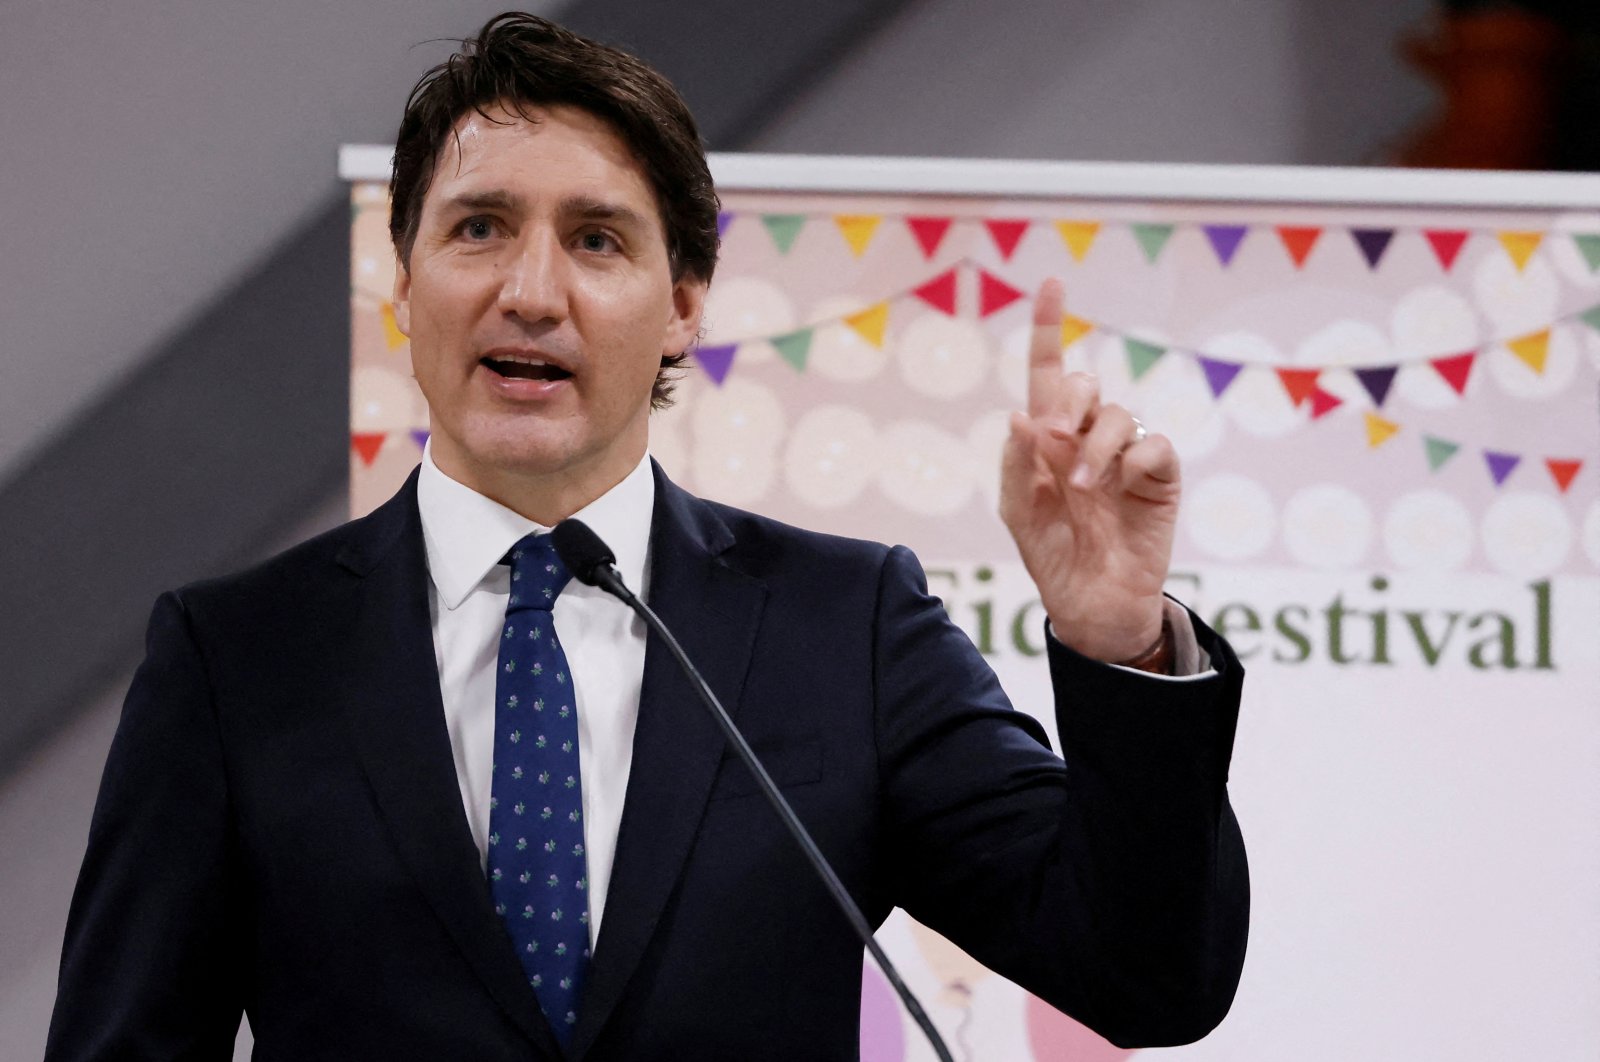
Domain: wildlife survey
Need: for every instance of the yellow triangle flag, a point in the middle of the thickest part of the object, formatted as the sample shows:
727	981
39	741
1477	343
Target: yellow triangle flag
1532	348
1078	235
1379	430
1520	246
871	322
1074	329
857	230
392	336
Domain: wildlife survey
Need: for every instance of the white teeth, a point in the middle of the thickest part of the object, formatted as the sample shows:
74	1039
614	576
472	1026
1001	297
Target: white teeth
520	359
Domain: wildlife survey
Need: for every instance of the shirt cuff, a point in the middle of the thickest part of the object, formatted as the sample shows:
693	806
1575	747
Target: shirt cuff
1189	661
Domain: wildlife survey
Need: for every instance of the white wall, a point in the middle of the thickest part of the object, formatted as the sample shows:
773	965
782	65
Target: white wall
1253	81
153	150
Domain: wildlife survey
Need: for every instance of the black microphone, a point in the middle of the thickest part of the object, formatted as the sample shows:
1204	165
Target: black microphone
591	561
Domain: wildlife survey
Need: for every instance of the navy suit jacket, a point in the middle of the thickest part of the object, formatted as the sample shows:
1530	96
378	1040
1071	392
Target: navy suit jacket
279	829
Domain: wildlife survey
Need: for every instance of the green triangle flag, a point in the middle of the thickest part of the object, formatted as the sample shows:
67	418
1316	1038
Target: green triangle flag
1589	244
783	228
1591	317
794	348
1152	238
1439	451
1142	355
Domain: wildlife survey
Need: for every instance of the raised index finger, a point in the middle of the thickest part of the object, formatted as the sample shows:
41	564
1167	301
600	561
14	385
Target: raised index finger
1044	348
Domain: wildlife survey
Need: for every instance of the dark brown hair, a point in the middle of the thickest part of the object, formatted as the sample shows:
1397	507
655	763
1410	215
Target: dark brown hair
520	60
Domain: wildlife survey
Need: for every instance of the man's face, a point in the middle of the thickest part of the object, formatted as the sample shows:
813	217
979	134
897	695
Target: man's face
539	302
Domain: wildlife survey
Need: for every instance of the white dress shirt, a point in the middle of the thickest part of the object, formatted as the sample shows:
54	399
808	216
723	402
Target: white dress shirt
466	535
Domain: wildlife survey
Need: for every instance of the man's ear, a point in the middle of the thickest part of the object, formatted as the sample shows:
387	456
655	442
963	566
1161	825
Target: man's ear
688	303
402	295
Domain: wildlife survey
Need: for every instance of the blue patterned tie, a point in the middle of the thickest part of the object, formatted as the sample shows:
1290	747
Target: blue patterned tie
537	871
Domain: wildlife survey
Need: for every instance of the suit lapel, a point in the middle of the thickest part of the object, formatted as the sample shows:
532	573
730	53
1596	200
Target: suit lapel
714	611
396	719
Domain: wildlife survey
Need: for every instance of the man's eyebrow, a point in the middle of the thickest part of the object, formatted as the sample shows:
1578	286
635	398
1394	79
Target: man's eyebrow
490	199
590	209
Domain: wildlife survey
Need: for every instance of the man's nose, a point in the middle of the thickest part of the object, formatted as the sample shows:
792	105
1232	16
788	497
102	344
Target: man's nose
534	284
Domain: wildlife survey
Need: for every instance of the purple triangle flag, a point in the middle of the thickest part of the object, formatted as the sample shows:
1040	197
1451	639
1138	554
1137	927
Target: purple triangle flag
420	437
1373	242
1219	374
716	361
724	219
1500	465
1377	381
1225	240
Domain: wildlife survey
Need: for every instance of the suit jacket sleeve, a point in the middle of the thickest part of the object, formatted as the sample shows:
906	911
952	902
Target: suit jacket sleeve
1113	885
147	970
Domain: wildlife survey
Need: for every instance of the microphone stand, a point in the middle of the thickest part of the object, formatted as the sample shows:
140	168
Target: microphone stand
599	571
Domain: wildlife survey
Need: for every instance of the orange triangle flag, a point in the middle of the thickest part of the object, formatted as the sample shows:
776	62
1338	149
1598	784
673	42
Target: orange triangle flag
1300	383
1298	241
1532	348
940	292
367	444
393	338
1520	246
857	230
1455	369
871	323
1562	471
1078	236
1323	403
1379	430
1074	329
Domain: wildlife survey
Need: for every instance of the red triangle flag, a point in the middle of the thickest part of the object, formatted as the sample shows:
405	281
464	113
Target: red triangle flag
367	444
1562	471
1300	383
1298	241
1322	402
1007	233
1455	369
994	294
929	233
940	292
1446	244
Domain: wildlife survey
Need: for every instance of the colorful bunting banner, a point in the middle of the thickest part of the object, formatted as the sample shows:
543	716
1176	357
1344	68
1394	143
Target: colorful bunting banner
1152	238
1562	471
1377	381
1225	240
1006	233
794	348
1298	241
393	338
1439	451
1532	349
994	294
857	230
716	361
1142	356
1379	430
1373	243
1078	236
1456	369
783	228
1299	383
1589	246
1446	244
1073	329
1520	246
929	232
420	437
871	323
940	292
1219	374
366	445
1501	465
724	219
1323	403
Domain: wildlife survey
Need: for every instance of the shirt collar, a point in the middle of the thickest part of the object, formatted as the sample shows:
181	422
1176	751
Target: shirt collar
466	534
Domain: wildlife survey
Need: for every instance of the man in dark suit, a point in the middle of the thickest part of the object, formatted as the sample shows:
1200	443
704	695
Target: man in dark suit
308	816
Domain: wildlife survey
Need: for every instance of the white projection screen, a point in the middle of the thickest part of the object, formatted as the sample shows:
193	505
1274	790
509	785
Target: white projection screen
1383	385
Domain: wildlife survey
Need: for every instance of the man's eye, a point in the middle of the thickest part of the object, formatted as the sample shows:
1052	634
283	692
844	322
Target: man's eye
597	241
477	228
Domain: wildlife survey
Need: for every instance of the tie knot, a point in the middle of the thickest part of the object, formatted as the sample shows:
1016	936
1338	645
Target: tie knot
537	574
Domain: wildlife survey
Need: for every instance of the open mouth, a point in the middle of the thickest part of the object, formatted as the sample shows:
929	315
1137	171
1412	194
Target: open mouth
525	370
